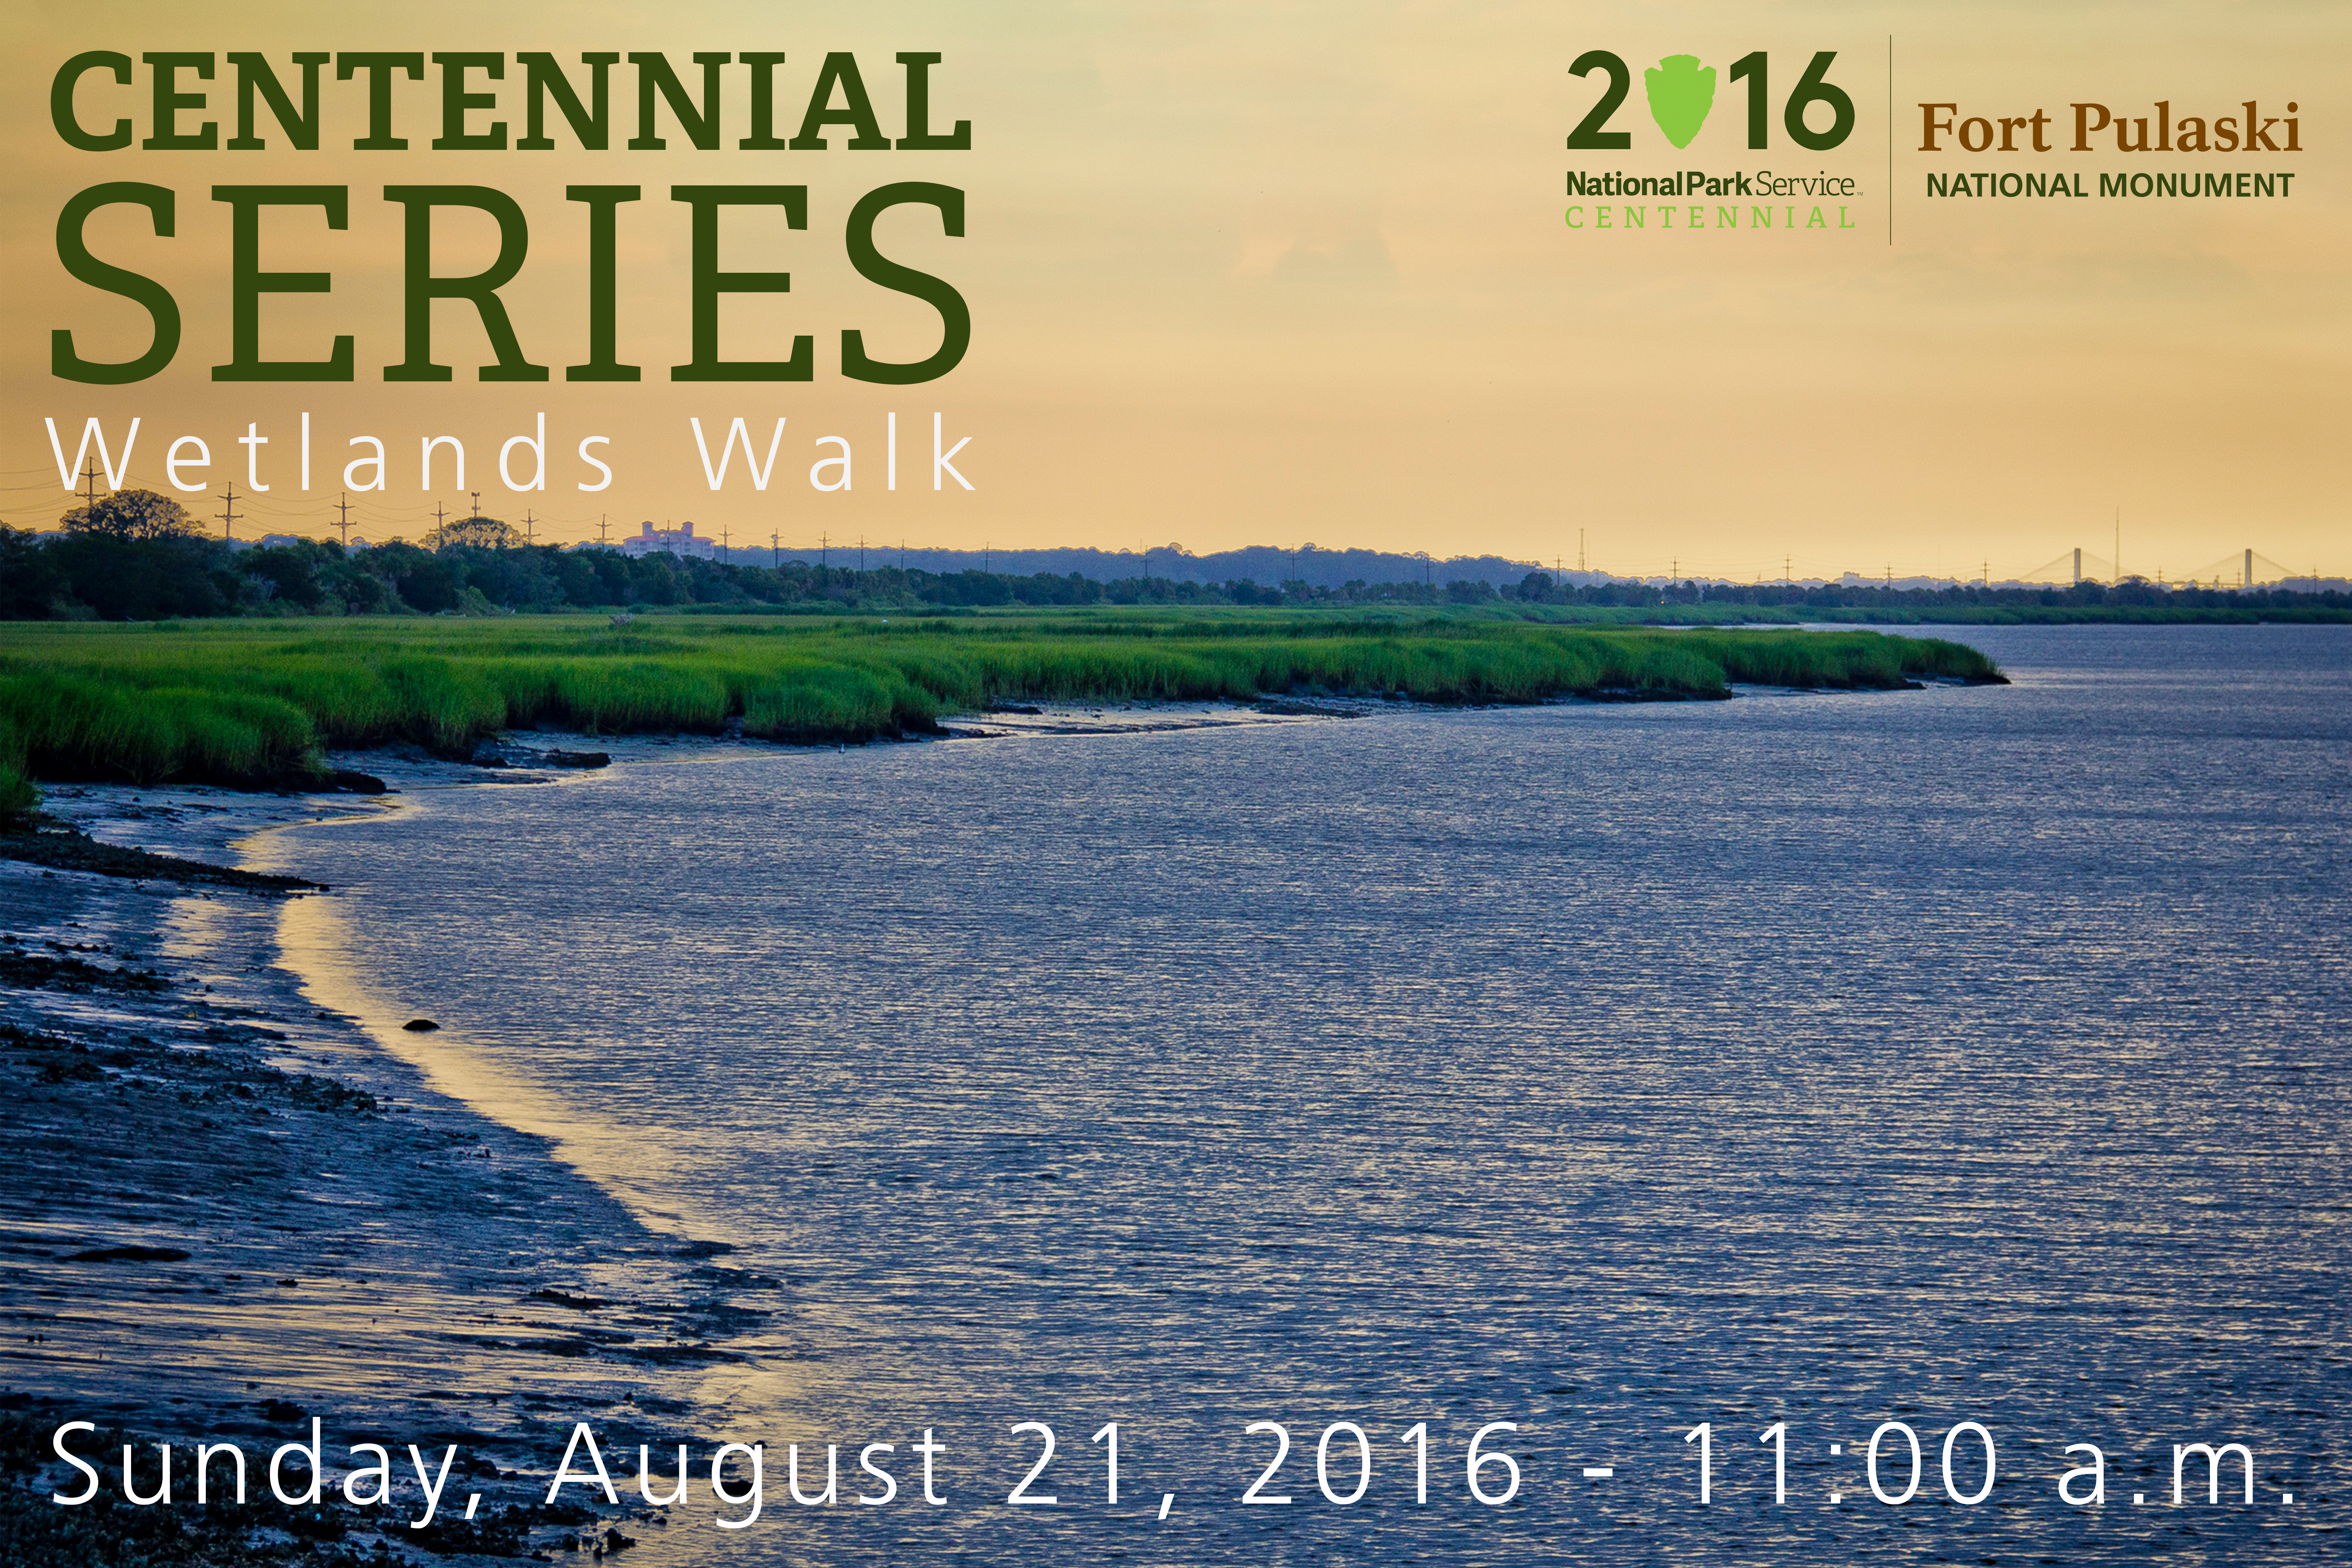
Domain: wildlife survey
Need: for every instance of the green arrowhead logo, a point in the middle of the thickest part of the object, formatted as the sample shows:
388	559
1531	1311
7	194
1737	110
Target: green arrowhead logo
1681	92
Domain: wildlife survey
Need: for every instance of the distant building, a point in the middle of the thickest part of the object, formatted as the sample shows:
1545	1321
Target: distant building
681	540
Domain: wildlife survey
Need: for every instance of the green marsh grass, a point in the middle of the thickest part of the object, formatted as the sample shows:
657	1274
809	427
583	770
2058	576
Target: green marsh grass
256	702
18	798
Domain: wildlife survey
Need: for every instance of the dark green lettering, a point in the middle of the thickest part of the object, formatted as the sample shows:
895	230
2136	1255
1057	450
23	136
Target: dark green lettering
544	76
420	288
763	102
170	101
61	97
919	110
604	203
380	67
955	316
857	112
456	101
249	283
710	283
253	74
700	125
64	362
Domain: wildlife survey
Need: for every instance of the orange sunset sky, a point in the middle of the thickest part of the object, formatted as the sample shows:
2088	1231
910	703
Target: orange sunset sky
1250	273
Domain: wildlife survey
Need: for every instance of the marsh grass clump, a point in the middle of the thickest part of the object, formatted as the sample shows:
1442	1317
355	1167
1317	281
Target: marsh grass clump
86	726
19	801
255	703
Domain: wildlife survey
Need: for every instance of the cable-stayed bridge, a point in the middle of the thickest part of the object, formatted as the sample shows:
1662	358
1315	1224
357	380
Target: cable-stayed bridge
2245	568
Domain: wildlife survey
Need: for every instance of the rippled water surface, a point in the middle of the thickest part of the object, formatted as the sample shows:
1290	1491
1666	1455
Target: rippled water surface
1832	1059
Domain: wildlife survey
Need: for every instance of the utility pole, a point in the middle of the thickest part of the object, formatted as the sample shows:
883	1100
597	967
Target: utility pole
1580	549
437	517
343	521
775	551
89	489
722	541
902	554
230	513
477	505
526	525
861	555
823	551
599	528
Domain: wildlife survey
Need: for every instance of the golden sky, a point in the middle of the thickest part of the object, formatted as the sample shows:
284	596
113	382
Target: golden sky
1249	273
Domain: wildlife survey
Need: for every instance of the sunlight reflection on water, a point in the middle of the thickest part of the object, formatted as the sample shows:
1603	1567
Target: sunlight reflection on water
1948	1055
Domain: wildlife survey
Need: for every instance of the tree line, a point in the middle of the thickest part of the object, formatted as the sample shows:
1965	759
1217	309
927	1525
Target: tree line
137	555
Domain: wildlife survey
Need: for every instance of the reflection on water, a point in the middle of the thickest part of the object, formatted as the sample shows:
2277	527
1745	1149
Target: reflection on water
1965	1054
317	940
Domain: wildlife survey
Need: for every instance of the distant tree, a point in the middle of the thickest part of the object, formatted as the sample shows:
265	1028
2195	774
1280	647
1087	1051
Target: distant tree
480	533
29	580
421	580
144	579
292	572
134	514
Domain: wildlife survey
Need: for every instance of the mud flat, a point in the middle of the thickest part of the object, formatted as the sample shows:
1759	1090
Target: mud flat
224	1212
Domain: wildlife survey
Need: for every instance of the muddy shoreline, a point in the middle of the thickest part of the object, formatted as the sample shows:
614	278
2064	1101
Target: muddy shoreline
225	1211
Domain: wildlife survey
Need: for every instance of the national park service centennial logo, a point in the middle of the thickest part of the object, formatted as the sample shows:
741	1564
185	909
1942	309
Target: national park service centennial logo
1681	92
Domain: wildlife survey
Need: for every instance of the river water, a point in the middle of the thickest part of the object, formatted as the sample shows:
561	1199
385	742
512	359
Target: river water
1966	1055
